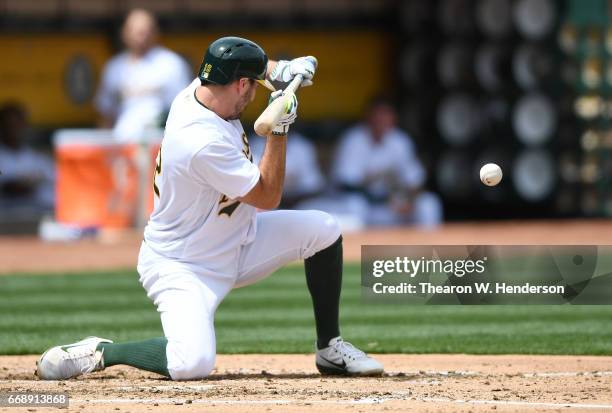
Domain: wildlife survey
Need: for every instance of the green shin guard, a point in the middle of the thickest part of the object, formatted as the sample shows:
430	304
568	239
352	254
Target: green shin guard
149	355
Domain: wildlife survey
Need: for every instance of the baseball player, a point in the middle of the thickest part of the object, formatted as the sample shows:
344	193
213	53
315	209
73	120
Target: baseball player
376	165
205	236
139	84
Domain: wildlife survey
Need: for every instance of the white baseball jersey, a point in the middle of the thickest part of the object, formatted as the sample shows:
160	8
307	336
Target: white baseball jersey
204	164
138	91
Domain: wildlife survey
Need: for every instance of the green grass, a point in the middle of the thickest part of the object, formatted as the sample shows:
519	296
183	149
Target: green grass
275	316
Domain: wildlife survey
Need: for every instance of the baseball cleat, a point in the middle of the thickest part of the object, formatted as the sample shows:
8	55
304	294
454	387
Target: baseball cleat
71	360
342	358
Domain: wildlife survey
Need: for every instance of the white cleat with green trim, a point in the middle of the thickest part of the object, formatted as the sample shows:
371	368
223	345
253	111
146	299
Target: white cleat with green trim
71	360
342	358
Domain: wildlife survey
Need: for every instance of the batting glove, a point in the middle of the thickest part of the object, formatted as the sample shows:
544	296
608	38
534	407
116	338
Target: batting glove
286	70
289	115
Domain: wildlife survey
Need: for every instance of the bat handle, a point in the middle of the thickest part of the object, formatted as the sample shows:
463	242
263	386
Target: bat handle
270	116
294	84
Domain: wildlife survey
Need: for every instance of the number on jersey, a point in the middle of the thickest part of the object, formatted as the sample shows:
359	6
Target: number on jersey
227	206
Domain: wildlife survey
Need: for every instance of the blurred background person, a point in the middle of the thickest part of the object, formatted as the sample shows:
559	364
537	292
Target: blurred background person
27	177
303	177
377	169
139	84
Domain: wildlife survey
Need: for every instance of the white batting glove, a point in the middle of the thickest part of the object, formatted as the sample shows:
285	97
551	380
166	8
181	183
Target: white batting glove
288	117
286	70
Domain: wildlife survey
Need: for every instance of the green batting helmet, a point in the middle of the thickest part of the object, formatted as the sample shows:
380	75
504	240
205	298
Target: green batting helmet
230	58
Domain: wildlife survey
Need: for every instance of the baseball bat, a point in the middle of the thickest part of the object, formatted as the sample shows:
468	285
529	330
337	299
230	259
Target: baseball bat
269	117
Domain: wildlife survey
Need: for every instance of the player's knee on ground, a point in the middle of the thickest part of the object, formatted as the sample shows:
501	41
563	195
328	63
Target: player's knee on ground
189	362
323	229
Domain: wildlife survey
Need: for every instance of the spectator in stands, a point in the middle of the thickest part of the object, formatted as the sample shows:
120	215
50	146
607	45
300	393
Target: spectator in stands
303	177
377	169
26	177
139	84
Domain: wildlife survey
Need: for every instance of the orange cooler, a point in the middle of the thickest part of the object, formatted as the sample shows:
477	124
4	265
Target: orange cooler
101	182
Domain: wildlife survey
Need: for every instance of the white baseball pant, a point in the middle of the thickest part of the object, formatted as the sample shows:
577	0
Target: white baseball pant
187	300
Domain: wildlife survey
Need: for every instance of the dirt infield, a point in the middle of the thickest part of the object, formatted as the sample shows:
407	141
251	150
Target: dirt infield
290	383
120	250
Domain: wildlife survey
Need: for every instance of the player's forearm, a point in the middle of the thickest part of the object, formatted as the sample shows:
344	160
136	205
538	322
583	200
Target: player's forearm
268	191
272	168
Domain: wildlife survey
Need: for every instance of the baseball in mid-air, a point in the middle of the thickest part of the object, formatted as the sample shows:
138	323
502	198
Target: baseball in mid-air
491	174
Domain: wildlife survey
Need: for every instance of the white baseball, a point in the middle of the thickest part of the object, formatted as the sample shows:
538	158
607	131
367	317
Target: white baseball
490	174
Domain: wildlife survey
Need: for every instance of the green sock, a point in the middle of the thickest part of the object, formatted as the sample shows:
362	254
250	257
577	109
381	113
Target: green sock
149	355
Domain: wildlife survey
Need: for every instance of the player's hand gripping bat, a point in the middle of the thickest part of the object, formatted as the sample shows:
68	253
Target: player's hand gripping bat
269	117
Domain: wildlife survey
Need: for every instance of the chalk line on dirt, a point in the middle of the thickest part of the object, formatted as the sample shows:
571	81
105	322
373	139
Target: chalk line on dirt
366	400
570	374
521	403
